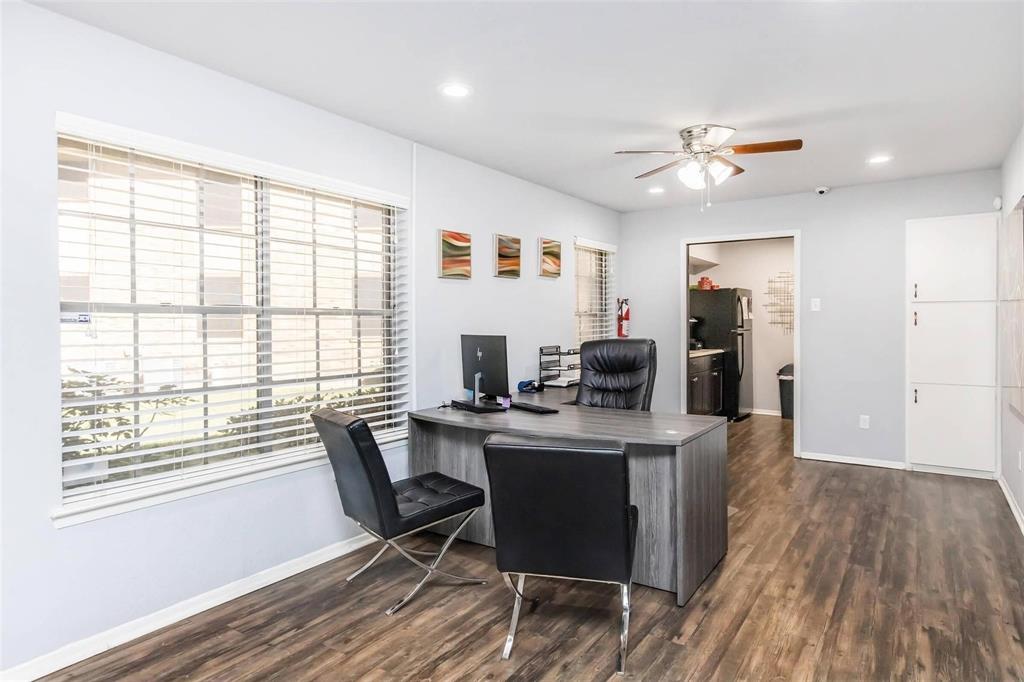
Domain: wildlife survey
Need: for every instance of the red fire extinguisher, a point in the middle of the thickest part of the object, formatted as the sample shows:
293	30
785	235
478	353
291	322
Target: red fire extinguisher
623	316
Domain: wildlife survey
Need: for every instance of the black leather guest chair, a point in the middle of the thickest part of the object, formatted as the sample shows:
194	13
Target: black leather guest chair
387	510
561	510
617	373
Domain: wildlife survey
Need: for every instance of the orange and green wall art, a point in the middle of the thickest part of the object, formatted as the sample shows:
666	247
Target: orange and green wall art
455	251
550	258
507	256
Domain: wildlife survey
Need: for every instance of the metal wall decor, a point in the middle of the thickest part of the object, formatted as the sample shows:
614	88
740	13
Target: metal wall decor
780	301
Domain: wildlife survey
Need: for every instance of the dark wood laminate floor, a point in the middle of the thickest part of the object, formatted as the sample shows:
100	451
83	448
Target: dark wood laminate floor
834	572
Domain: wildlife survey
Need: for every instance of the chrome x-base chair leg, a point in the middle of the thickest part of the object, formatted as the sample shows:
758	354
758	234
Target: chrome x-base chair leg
624	632
517	591
431	568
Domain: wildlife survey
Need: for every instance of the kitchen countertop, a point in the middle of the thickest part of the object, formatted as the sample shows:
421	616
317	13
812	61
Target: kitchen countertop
705	351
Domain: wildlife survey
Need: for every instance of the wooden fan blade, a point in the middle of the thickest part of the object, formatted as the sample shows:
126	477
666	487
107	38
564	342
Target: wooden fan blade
736	170
650	152
671	164
763	147
721	169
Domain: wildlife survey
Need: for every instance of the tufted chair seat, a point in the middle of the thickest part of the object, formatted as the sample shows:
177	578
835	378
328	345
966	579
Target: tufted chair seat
427	498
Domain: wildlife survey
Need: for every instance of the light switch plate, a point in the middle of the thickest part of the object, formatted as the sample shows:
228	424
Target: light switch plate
816	304
865	421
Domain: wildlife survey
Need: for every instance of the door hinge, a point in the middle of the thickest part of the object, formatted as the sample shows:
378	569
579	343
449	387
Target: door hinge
915	318
915	396
915	289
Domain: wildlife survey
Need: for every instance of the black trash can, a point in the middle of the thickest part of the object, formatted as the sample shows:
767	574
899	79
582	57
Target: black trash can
786	391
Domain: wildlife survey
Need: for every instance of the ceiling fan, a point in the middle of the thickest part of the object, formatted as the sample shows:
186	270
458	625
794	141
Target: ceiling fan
704	154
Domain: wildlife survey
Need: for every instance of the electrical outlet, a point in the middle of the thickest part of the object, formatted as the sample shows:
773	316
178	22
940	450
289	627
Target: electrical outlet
816	304
865	421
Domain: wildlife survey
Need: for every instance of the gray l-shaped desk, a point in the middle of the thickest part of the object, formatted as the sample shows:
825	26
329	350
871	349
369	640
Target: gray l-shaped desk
677	475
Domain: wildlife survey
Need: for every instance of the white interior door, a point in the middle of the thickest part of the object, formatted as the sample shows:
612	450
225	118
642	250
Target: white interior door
952	343
952	426
953	258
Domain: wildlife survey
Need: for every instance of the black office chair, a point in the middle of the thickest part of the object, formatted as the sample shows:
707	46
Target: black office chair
617	373
561	510
387	510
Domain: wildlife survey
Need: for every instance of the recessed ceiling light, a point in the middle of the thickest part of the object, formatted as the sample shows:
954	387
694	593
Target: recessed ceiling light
880	159
454	89
656	190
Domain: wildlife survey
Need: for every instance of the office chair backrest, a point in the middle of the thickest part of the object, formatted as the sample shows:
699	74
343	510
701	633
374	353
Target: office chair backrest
560	507
363	482
617	373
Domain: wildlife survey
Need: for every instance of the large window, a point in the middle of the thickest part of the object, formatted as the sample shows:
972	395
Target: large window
595	291
206	313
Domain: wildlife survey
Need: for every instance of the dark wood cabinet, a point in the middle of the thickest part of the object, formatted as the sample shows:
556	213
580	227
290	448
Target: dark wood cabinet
705	384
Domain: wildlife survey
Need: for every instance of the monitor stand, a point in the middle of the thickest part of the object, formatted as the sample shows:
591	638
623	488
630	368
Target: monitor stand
477	404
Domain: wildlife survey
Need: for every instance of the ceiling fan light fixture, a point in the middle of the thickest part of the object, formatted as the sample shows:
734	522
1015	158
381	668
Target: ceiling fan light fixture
692	175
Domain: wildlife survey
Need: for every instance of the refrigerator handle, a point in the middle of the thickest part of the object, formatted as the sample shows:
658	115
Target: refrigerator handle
742	352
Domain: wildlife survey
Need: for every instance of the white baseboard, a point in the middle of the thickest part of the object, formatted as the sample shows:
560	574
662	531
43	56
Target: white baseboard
768	413
844	459
98	643
1014	507
951	471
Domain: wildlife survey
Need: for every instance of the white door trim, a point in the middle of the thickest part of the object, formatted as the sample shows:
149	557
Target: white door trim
684	283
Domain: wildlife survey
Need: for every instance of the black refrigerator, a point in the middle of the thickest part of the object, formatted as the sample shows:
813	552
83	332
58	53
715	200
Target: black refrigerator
726	322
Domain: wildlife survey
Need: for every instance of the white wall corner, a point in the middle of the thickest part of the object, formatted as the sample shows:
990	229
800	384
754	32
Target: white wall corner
74	652
1014	505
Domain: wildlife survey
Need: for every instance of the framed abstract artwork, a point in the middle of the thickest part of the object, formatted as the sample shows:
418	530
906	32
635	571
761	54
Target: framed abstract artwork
507	256
454	254
550	258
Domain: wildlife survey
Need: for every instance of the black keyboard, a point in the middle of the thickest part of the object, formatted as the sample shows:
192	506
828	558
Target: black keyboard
536	409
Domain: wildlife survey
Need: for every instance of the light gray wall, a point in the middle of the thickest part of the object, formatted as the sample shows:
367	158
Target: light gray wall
852	257
749	265
531	311
61	585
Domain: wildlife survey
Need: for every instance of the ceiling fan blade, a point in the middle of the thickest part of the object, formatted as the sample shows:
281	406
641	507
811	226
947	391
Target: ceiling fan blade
671	164
722	169
716	136
680	151
763	147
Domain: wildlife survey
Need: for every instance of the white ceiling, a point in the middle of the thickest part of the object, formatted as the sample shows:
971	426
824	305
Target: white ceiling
558	87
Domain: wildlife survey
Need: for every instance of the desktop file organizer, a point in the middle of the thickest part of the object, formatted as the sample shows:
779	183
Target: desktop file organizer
552	362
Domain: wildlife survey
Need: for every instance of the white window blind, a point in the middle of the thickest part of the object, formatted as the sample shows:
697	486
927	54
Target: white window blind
206	313
595	293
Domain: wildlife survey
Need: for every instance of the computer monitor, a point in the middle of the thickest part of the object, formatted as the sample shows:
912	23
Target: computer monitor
486	356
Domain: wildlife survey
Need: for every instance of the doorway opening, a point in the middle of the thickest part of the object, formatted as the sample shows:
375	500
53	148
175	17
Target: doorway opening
741	328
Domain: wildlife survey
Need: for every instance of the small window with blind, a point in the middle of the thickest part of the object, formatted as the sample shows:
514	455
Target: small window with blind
205	313
595	291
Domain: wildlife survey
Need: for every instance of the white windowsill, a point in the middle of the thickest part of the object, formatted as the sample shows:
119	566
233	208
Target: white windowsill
82	511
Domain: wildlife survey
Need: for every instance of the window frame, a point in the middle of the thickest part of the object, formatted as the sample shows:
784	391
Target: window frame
85	507
608	283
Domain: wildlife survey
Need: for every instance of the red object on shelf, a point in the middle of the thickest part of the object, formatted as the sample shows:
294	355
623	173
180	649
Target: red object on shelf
705	284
